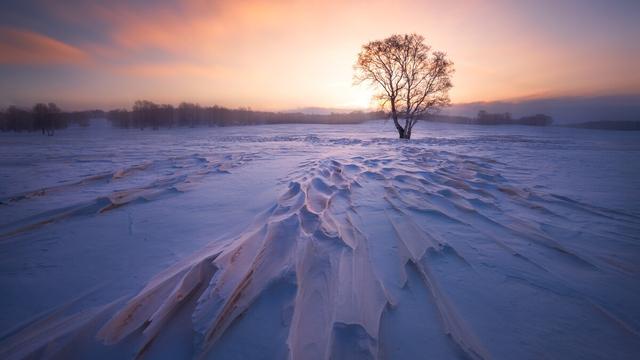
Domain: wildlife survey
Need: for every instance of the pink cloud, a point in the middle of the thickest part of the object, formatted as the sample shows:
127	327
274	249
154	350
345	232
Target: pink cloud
19	46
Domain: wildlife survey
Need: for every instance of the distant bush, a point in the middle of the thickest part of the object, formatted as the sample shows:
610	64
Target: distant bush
493	119
536	120
485	118
42	117
17	119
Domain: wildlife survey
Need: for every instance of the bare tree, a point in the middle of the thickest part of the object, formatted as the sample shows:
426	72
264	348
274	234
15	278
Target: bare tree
47	117
40	116
53	118
412	80
377	66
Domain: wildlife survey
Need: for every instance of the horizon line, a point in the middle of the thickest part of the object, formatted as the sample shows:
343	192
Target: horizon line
343	109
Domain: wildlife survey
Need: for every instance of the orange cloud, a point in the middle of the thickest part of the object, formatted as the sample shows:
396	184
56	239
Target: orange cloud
195	29
26	47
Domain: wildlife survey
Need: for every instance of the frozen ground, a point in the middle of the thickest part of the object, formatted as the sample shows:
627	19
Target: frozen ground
316	242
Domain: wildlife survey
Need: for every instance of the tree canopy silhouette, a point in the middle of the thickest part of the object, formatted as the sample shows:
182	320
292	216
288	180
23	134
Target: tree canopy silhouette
47	117
413	81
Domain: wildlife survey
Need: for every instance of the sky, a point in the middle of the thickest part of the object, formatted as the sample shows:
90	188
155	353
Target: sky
288	54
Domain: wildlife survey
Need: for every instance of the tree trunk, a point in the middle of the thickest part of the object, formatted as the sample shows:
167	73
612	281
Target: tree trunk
394	116
408	128
404	133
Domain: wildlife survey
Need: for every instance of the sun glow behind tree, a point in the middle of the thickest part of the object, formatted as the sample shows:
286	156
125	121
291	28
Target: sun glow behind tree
289	54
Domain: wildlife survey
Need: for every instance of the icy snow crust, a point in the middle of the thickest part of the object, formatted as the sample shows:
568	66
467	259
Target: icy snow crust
313	242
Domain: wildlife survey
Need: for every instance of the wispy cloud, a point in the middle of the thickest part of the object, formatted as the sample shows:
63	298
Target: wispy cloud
18	46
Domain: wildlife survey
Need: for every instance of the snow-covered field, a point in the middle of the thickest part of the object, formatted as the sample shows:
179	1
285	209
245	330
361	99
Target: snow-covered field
316	242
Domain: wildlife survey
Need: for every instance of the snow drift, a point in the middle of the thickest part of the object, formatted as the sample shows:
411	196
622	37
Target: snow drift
384	250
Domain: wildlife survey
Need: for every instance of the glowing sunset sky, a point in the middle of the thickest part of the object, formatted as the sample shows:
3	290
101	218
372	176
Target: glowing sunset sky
287	54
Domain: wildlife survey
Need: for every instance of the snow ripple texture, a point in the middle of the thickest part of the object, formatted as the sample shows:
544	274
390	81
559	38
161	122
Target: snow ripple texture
403	251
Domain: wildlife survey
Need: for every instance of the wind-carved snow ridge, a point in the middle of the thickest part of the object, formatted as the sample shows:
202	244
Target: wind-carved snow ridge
128	185
411	253
310	239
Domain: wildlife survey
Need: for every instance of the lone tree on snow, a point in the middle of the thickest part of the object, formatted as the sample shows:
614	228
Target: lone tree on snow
412	80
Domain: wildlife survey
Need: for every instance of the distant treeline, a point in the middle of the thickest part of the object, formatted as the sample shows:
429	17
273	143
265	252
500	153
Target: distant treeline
45	118
146	114
486	118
